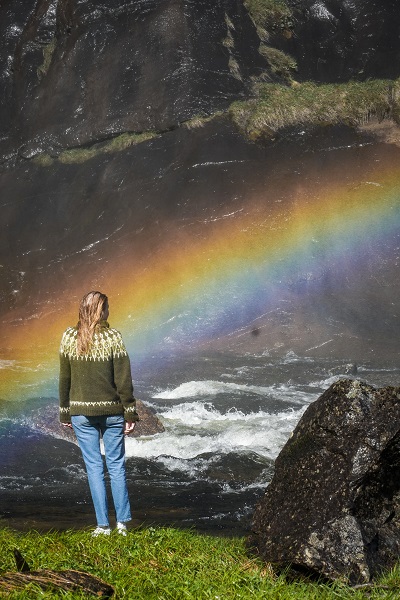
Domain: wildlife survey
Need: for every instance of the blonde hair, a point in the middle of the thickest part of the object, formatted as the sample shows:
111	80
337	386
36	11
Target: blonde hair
91	311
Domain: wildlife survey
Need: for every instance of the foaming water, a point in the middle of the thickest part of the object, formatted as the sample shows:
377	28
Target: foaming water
239	436
192	389
224	427
193	429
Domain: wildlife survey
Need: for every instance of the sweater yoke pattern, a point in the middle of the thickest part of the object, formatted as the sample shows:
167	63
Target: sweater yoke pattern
99	382
106	344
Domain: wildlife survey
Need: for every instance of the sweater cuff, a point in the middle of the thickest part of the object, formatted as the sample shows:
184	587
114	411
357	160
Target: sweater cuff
65	416
130	414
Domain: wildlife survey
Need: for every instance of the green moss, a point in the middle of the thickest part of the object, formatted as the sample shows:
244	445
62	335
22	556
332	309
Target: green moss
270	15
200	120
125	140
277	106
234	68
228	41
281	64
273	17
43	160
81	155
48	52
228	22
77	155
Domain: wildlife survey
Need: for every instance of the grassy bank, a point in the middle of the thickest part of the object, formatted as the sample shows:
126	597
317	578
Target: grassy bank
80	155
272	108
158	563
275	107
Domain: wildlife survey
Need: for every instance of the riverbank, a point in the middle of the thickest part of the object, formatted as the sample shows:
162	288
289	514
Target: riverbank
165	563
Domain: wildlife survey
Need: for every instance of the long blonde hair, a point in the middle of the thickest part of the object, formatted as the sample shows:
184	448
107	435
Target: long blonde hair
91	311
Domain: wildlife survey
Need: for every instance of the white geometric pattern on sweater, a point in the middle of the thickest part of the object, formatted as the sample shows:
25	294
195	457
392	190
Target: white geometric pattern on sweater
98	403
84	404
106	344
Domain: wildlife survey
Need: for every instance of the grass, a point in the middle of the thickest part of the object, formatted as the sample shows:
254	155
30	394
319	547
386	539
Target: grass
81	155
270	15
116	144
353	103
272	108
200	120
48	51
281	64
169	564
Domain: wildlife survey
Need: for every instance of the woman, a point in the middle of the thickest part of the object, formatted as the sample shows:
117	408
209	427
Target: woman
96	400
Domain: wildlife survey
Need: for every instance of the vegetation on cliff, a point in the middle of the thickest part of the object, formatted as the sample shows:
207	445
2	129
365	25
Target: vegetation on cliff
269	107
275	106
82	154
270	16
162	563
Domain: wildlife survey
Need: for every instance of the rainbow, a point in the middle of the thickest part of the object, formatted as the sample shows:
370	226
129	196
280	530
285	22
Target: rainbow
218	276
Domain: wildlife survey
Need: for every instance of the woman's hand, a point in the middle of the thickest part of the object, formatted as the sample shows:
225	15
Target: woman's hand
67	425
129	427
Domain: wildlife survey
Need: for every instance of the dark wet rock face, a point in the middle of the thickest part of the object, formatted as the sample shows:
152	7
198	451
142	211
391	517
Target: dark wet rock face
338	40
77	73
64	222
333	506
74	72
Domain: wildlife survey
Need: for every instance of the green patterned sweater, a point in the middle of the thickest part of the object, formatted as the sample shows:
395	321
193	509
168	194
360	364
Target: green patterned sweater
97	383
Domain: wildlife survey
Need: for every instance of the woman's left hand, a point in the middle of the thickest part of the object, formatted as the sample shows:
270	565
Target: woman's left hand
129	427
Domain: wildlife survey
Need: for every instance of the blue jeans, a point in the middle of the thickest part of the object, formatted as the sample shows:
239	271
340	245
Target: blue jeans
88	431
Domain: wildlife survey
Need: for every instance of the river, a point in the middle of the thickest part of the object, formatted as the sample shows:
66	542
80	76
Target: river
226	418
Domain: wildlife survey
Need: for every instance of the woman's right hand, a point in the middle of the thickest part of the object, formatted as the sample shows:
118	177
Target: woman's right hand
129	427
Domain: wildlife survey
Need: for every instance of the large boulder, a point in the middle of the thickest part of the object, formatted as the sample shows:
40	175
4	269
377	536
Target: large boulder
46	421
333	505
149	423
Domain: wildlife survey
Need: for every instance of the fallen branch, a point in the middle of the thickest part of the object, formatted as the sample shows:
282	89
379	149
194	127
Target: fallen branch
68	579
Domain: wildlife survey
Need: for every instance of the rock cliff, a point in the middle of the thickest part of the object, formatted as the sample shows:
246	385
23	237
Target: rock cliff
78	72
73	73
339	40
128	87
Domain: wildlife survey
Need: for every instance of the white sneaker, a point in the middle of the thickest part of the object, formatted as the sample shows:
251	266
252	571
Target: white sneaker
121	528
101	531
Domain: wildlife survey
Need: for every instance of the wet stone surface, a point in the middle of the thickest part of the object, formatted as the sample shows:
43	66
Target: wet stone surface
333	505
